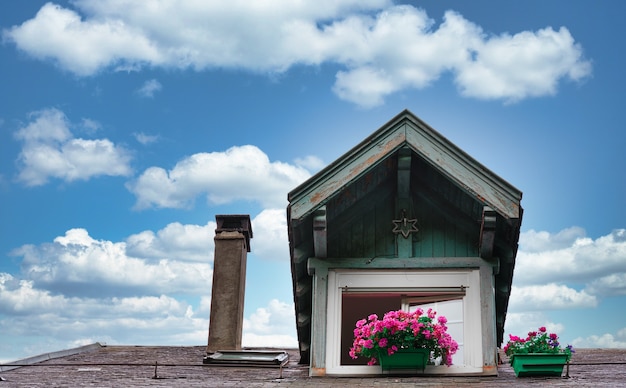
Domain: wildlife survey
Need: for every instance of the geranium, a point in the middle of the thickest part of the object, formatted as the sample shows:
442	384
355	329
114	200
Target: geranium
403	330
536	342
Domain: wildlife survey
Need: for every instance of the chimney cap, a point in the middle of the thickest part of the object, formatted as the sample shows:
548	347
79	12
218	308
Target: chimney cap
235	222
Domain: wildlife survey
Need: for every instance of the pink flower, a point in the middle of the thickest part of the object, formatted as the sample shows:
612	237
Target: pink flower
537	342
374	336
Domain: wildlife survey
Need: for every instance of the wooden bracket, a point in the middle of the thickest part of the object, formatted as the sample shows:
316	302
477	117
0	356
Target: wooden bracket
319	233
487	233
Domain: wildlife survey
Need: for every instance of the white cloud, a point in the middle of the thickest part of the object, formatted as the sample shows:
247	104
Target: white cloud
19	297
149	88
82	47
174	242
77	264
148	305
145	138
204	308
239	173
562	271
50	151
175	259
23	299
310	162
49	125
611	285
88	290
276	340
527	64
606	340
134	320
76	321
90	126
381	48
270	239
549	297
364	86
541	241
571	257
271	326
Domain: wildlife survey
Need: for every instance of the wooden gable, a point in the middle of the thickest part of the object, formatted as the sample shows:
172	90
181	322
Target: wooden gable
405	170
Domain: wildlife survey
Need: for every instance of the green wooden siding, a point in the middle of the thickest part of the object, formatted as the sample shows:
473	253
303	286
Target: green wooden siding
365	229
360	218
370	234
440	236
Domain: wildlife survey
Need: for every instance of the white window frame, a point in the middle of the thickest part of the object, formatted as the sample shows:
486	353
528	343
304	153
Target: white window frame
414	280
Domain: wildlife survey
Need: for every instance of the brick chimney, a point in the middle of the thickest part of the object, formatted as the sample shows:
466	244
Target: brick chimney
232	244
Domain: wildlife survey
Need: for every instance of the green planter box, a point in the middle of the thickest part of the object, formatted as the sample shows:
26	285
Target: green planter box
405	359
538	364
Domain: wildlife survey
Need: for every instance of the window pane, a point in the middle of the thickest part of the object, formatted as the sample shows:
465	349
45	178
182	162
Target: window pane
453	311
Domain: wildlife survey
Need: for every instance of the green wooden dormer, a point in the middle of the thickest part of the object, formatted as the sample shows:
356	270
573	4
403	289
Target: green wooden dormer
403	219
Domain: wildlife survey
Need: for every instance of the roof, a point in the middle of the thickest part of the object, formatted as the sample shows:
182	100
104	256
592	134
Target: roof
407	129
466	186
180	366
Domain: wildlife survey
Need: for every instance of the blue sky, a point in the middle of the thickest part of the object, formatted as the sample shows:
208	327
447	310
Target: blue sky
125	129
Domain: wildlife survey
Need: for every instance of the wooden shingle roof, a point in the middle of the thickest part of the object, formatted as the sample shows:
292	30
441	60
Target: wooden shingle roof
181	366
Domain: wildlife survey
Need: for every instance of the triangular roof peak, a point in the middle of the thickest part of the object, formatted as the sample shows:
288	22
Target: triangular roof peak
407	130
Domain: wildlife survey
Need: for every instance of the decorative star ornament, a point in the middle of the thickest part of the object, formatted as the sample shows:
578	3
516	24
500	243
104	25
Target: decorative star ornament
404	225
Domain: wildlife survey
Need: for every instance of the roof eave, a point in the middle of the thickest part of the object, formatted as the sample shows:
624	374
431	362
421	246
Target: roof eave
450	160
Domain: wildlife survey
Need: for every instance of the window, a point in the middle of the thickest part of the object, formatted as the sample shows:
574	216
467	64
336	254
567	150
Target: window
353	295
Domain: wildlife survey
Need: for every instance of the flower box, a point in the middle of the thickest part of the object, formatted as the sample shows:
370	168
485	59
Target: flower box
402	331
405	359
538	364
539	354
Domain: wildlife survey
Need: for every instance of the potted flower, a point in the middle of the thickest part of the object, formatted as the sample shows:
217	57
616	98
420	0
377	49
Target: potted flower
539	354
403	340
